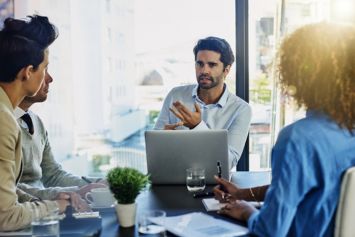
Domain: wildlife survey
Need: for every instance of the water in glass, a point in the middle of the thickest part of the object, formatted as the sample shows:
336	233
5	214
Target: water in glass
195	179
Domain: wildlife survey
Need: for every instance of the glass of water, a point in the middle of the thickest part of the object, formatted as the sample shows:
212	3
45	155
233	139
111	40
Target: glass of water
195	179
47	226
151	223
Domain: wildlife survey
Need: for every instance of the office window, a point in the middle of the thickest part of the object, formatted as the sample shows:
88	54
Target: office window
6	10
116	61
269	22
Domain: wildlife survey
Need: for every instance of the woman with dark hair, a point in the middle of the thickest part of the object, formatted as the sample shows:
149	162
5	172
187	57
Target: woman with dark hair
23	64
317	69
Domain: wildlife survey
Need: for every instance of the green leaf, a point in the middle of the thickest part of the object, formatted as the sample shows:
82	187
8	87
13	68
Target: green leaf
126	184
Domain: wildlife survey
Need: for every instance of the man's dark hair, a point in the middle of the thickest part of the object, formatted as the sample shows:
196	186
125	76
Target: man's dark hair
218	45
22	43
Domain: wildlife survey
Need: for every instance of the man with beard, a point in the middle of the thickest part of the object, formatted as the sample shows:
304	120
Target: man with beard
209	104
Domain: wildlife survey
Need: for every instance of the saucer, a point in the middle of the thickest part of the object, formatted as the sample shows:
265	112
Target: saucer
93	206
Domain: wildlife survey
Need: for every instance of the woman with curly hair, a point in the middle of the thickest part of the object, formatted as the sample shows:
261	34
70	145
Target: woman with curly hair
316	64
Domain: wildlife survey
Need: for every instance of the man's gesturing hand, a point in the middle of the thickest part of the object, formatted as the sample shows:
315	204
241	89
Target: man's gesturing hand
190	119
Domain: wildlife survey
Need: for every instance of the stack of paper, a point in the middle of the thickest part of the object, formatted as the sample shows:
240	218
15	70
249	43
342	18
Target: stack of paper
198	224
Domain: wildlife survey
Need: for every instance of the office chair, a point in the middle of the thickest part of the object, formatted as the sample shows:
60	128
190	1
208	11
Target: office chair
345	216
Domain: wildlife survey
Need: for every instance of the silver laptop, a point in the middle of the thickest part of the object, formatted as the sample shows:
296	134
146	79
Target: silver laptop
171	152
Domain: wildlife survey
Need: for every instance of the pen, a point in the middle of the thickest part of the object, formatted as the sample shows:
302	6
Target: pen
219	173
204	194
86	179
219	169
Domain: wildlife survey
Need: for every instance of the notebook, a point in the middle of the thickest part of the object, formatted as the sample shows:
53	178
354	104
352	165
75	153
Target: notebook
171	152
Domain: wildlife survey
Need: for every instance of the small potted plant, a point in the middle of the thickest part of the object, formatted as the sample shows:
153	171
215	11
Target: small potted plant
126	184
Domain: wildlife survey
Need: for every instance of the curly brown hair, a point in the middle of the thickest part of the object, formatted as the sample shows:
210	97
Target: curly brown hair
318	62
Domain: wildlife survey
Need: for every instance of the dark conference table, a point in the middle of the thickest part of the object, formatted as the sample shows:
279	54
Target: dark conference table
174	199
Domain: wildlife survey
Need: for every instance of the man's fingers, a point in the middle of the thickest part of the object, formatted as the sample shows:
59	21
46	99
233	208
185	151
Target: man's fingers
170	126
197	107
83	206
183	110
74	200
173	126
191	119
78	203
63	196
176	113
181	123
97	185
104	182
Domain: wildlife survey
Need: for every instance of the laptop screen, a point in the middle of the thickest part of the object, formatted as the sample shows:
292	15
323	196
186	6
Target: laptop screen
171	152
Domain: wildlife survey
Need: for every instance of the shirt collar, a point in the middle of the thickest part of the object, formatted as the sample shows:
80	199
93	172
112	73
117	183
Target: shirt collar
221	102
312	113
18	112
194	92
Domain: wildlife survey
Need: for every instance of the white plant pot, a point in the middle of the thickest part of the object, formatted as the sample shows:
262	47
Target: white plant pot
126	214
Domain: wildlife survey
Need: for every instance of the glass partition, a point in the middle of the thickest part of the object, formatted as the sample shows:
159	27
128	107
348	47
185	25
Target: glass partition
269	22
113	65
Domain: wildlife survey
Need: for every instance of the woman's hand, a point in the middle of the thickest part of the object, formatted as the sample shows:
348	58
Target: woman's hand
225	191
239	209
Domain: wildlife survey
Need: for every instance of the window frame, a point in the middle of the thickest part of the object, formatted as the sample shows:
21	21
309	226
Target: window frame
242	67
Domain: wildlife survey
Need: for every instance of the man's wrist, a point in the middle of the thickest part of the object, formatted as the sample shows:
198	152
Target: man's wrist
198	126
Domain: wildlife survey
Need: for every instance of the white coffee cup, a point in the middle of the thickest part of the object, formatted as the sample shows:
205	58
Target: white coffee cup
100	197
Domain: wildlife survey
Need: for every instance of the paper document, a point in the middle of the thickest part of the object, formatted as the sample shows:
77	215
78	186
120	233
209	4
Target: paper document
198	224
212	204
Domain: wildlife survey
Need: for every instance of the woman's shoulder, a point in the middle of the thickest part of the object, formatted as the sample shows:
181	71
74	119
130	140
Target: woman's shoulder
312	133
